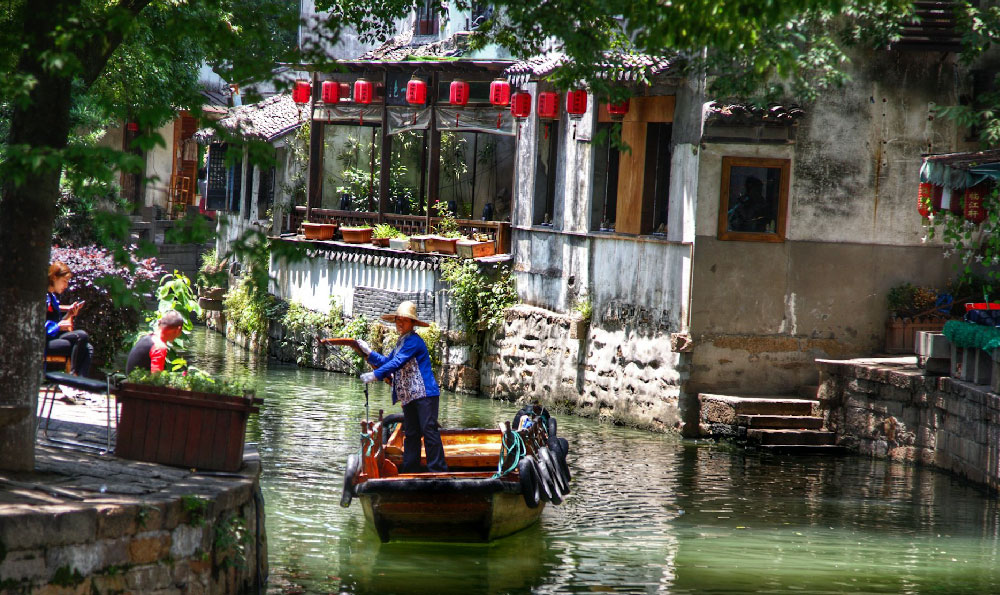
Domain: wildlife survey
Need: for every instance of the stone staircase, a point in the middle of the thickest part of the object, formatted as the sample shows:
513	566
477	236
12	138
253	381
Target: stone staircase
777	424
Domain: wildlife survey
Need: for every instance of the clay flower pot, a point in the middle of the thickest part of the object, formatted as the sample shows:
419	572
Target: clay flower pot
381	242
356	235
419	243
442	245
318	231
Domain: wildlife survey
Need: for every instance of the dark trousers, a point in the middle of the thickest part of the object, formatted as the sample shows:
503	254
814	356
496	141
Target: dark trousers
75	344
420	420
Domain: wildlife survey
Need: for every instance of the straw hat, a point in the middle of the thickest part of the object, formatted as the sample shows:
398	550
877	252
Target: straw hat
405	310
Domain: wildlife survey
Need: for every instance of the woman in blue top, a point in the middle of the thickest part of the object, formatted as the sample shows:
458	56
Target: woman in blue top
60	336
413	384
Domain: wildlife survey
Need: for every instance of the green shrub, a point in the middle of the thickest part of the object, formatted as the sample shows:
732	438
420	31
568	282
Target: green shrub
479	298
907	300
191	379
384	230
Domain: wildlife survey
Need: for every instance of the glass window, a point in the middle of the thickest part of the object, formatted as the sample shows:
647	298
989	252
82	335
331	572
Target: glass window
604	200
754	199
545	174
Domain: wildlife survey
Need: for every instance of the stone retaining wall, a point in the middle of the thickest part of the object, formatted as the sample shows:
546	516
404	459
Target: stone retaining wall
619	373
202	534
893	409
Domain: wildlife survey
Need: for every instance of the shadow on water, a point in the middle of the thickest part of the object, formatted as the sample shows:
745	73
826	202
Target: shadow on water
648	513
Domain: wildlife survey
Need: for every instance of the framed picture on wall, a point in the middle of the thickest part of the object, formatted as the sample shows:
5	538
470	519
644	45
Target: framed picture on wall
754	202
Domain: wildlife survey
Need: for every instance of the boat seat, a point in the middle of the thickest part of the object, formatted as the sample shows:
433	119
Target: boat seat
52	383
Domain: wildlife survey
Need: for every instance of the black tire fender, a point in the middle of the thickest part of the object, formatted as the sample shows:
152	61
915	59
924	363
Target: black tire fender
350	472
559	455
552	428
528	477
546	480
387	422
552	463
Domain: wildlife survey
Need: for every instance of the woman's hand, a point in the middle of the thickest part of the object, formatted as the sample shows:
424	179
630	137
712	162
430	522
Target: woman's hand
66	324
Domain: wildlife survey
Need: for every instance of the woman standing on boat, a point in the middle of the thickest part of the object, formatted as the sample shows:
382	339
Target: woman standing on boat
413	385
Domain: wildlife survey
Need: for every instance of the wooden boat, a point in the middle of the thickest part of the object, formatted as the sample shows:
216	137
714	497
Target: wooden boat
498	481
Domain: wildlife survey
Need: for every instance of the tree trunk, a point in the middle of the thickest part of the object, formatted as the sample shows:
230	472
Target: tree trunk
27	212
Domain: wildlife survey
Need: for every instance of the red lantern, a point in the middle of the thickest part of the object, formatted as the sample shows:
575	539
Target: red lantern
975	211
548	105
458	93
364	91
500	92
132	127
925	196
302	92
576	103
617	111
520	105
330	92
416	91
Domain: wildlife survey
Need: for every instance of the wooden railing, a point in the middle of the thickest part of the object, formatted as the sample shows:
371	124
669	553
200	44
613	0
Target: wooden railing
497	231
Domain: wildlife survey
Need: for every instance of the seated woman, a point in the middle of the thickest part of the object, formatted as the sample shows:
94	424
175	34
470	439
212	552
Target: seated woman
60	336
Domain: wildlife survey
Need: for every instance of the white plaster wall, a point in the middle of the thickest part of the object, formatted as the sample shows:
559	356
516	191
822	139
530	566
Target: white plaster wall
159	166
312	282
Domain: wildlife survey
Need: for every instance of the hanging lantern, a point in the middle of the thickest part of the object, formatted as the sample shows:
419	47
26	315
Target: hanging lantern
520	105
925	193
458	93
617	111
500	92
364	91
132	127
330	92
548	105
576	103
975	210
301	92
416	91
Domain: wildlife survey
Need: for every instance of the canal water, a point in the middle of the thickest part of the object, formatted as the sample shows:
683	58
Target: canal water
648	513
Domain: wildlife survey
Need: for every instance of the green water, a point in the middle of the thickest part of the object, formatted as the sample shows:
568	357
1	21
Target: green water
648	513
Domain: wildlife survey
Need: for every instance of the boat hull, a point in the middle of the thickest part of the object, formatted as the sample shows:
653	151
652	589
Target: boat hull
440	515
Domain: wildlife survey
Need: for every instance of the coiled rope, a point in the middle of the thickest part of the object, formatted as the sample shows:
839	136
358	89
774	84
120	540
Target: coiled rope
518	448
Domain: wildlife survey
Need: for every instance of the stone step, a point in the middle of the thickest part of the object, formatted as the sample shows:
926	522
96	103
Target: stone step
724	408
805	449
808	391
798	437
803	422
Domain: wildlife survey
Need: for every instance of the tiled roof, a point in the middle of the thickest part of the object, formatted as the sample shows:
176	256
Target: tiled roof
748	114
267	120
404	46
614	66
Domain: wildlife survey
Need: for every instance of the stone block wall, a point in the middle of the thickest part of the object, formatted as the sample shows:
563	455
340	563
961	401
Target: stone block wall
373	302
201	536
185	258
896	411
619	373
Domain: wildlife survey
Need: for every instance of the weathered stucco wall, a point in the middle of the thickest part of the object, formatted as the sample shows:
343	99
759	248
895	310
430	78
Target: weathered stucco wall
762	312
893	410
159	167
623	372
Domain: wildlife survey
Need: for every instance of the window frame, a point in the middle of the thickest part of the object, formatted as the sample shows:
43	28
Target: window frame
778	235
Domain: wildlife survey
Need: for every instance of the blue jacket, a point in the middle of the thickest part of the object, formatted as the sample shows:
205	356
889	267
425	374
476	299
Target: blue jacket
410	366
52	315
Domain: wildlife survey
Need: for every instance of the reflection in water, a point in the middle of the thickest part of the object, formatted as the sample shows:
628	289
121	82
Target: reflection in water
648	513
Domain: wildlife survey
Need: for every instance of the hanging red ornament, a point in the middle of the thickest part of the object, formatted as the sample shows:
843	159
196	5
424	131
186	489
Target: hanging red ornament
364	91
416	91
975	209
301	92
576	103
548	105
520	105
500	93
330	92
617	111
925	193
458	93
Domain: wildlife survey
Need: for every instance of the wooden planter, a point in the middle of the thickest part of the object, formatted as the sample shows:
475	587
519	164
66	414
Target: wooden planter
399	243
419	243
215	293
442	245
900	333
474	249
319	231
356	235
182	428
381	242
210	304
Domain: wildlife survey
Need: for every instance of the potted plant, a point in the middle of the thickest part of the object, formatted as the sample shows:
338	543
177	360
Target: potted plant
212	280
400	242
420	243
479	246
356	235
384	232
579	325
185	418
446	235
318	231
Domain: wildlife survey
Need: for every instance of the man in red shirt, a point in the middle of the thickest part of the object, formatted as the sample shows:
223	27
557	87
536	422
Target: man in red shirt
150	351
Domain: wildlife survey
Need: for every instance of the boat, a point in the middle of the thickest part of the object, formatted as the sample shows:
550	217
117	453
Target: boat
498	482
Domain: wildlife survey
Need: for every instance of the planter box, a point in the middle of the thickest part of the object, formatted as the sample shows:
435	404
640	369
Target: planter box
215	293
381	242
182	428
900	333
210	304
442	245
474	249
319	231
399	243
419	243
356	235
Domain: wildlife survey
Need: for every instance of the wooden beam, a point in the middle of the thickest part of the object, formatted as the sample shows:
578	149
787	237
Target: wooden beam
385	159
314	183
631	169
434	175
